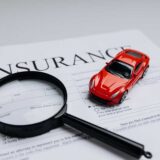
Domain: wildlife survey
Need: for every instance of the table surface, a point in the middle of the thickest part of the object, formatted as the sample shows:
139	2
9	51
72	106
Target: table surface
26	21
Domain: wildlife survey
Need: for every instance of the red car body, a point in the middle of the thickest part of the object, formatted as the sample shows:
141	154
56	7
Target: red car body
114	81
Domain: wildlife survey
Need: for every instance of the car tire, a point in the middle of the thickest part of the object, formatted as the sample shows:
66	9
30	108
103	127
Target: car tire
124	95
144	73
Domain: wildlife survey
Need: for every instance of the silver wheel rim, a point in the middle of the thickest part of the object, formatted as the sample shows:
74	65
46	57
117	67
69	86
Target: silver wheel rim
145	72
123	97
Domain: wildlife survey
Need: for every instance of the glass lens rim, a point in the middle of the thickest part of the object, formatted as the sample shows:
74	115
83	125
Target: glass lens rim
12	129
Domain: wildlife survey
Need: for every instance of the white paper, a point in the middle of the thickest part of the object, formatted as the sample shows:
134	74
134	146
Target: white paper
137	118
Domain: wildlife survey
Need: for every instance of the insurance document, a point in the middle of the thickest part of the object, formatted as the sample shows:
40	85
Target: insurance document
74	61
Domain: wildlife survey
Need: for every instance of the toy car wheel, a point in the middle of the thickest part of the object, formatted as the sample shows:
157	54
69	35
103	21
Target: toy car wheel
123	97
145	72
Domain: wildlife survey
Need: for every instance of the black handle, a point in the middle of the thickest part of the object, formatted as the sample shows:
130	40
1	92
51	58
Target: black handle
121	143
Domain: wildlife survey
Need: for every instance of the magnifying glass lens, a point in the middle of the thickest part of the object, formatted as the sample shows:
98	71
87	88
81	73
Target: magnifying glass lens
25	102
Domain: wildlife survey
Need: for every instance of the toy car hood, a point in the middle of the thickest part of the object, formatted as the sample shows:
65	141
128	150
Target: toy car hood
109	82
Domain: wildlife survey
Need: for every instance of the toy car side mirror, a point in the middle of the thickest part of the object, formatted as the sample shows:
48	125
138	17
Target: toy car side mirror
134	74
107	63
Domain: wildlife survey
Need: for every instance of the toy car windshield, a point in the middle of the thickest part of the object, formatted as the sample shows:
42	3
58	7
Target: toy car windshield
120	69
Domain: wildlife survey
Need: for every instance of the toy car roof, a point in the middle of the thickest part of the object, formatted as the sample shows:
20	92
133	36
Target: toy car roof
131	57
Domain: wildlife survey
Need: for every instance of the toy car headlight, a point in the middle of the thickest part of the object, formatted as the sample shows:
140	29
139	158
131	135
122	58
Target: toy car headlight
92	83
115	94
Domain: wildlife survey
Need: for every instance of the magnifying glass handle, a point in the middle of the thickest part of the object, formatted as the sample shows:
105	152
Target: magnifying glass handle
119	142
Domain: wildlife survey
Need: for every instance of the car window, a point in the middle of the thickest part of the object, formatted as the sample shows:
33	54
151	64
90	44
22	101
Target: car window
120	69
134	54
137	67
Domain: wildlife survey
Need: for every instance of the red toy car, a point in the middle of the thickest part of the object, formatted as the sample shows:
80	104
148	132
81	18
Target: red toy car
114	81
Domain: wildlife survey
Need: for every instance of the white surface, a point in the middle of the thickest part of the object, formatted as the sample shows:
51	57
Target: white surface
137	118
24	21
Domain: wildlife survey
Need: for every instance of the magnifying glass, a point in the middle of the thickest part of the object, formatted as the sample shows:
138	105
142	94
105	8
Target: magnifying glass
33	103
